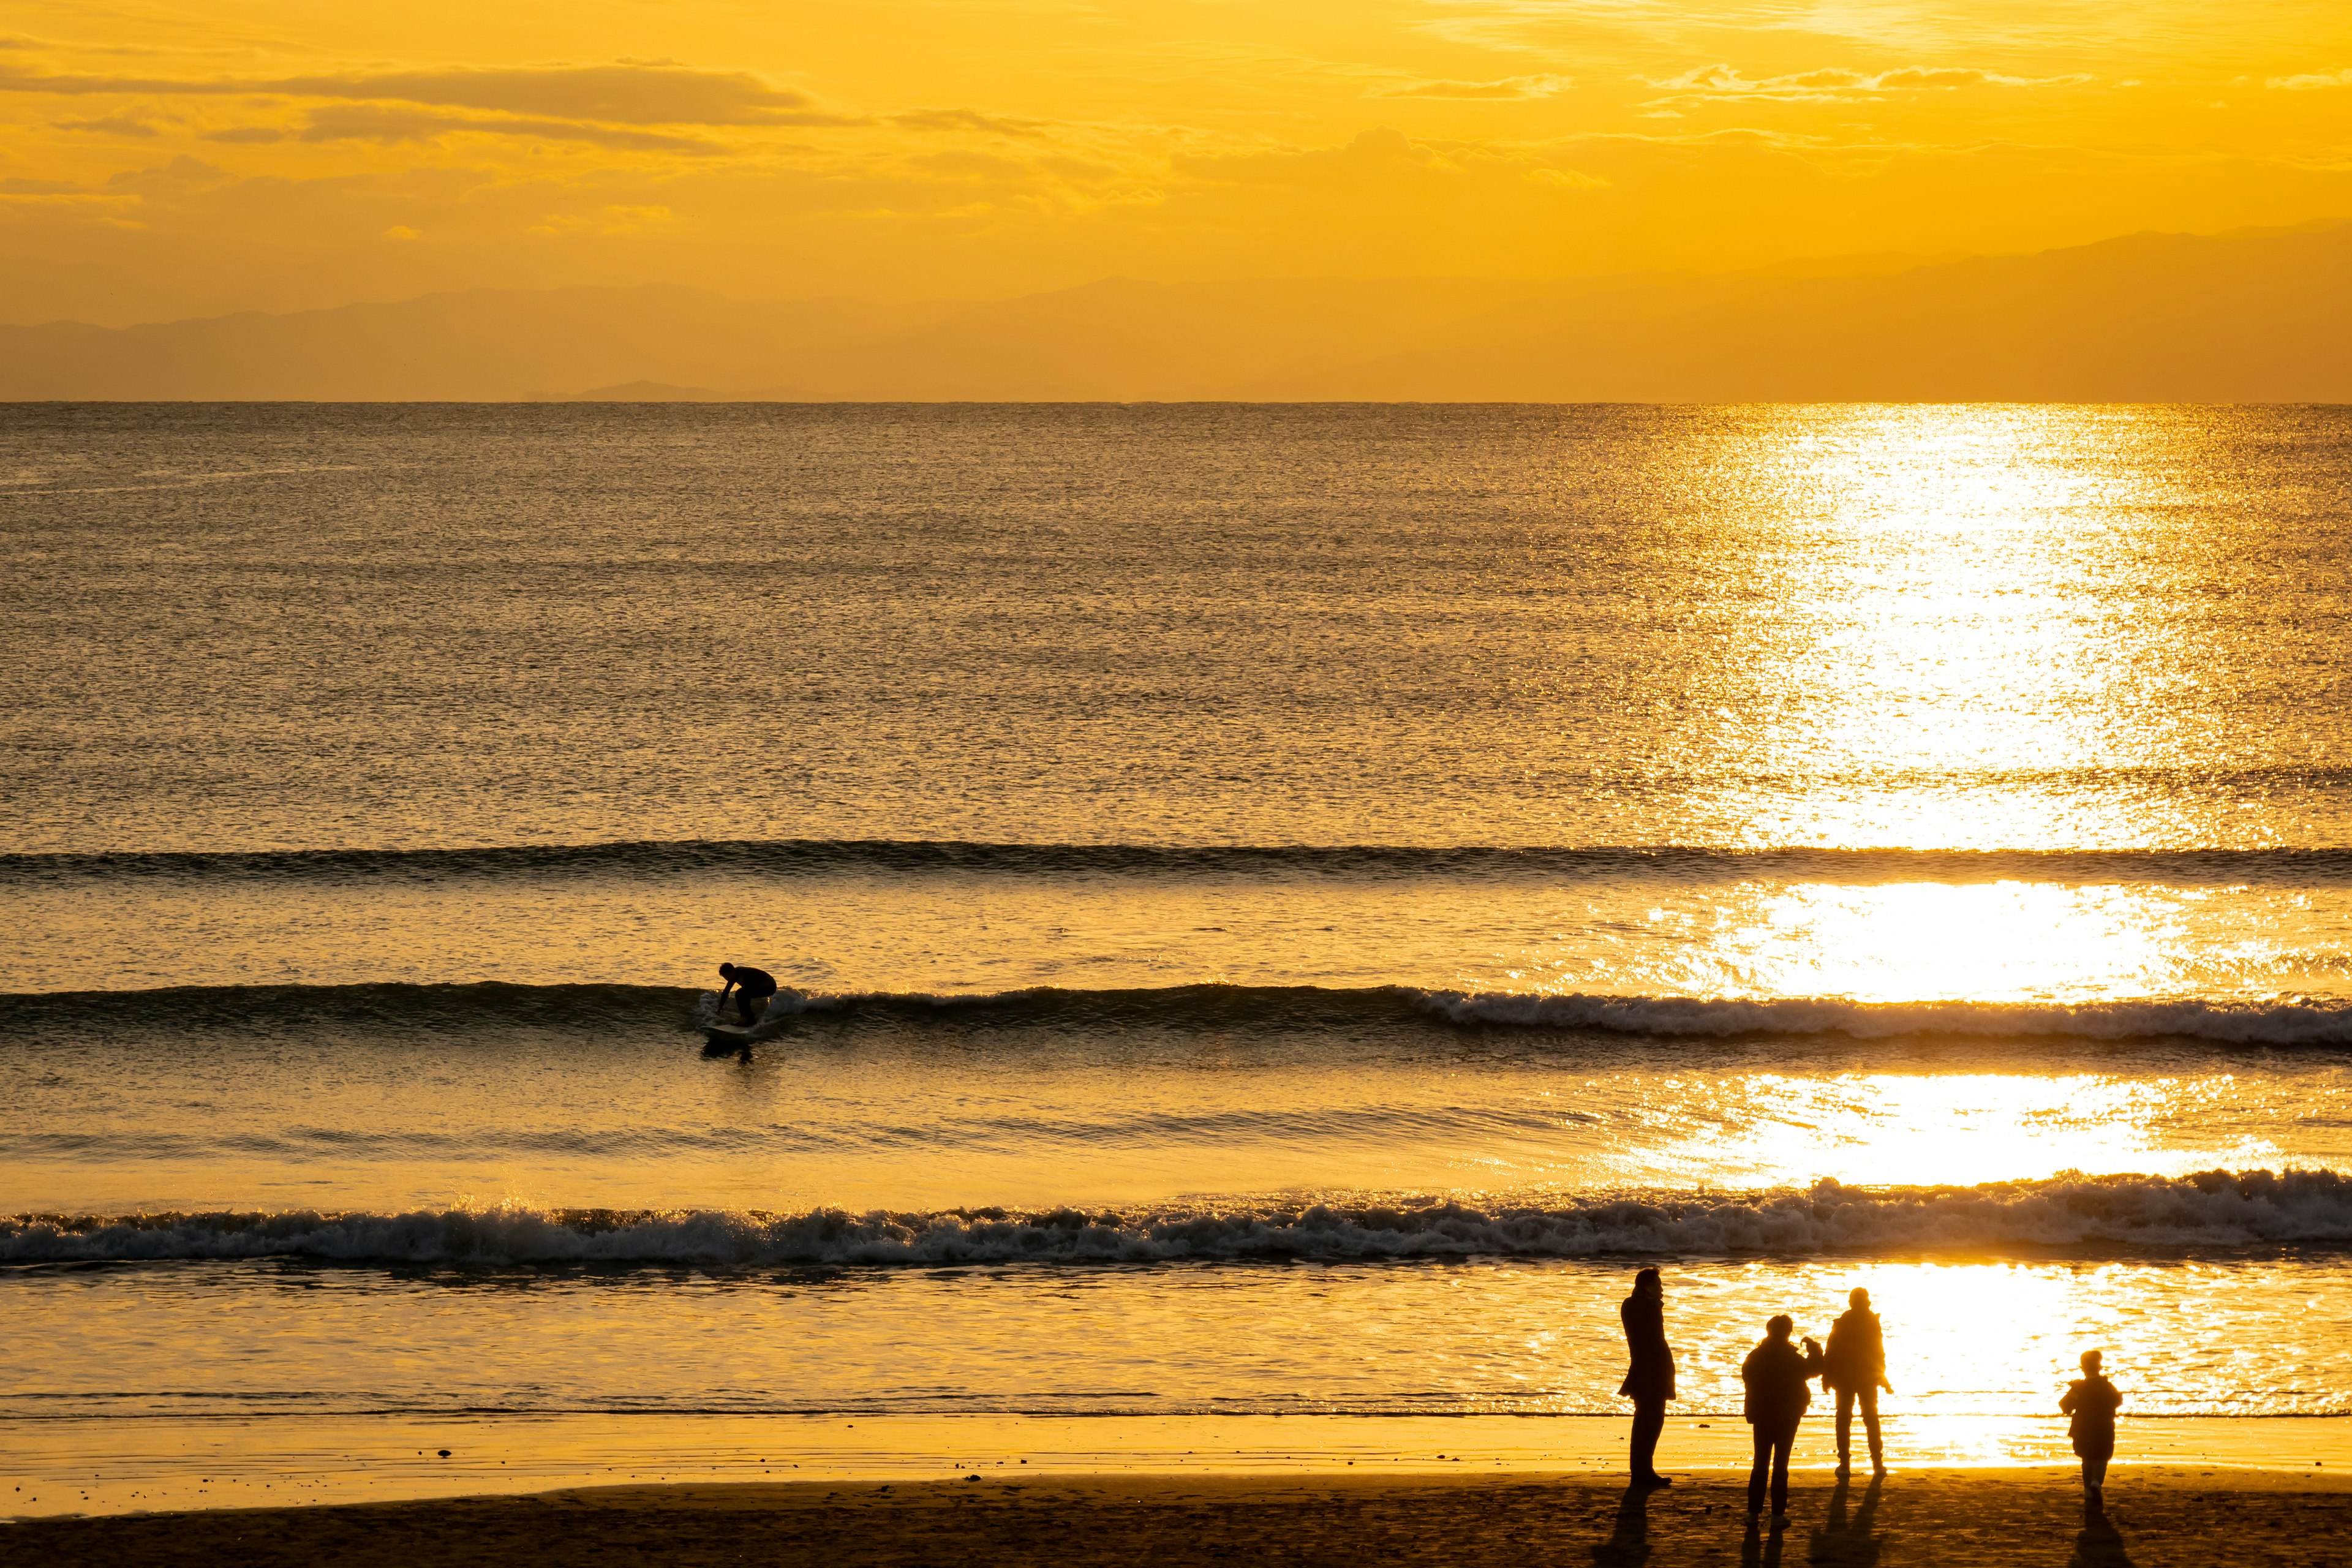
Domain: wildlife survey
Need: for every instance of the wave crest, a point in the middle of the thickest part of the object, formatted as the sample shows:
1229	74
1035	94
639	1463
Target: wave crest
2212	1209
1339	1012
808	856
2296	1023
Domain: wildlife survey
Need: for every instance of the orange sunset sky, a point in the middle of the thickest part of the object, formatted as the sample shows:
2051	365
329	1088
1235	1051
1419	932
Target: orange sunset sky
161	160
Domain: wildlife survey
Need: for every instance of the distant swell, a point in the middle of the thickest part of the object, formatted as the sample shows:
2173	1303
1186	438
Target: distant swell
806	857
2215	1209
2278	1023
658	1011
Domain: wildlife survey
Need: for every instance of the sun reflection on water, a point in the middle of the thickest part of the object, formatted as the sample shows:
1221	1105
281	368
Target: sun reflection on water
1931	1129
1983	1340
1945	629
1998	942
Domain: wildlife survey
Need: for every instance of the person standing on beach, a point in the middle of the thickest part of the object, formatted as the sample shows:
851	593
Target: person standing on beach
749	985
1775	1374
2092	1402
1649	1380
1855	1369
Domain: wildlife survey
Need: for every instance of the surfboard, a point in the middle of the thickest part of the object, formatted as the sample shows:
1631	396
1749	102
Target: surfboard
727	1037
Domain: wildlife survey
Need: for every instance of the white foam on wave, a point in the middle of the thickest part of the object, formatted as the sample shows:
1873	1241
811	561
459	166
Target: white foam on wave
2276	1023
2279	1023
2216	1208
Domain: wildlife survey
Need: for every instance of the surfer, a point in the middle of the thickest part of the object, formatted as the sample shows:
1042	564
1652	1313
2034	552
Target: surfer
749	985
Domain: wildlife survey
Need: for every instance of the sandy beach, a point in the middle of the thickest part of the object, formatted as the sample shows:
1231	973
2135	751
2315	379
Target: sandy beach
1949	1518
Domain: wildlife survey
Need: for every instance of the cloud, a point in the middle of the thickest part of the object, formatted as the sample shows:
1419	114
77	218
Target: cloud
968	119
364	123
248	135
112	125
1371	152
971	165
180	175
2312	83
608	221
1817	86
622	94
1509	87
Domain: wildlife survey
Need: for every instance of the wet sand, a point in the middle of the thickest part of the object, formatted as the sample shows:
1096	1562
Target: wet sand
59	1466
1953	1519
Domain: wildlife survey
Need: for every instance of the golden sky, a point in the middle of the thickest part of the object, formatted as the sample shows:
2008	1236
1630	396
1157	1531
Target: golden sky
161	159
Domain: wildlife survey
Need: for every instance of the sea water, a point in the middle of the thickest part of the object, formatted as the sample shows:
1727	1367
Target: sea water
1282	909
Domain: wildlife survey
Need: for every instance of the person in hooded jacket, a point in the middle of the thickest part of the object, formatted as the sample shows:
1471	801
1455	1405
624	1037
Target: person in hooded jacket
1776	1376
1855	1369
2092	1402
1649	1380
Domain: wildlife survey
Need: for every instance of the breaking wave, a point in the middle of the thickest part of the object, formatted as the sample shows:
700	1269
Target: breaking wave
2212	1209
1335	1011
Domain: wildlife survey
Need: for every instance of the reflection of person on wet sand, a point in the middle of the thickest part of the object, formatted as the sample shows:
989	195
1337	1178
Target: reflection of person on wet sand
1856	1368
1649	1380
1776	1375
2092	1402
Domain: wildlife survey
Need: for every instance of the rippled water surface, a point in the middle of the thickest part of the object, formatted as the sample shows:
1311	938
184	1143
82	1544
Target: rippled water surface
1283	904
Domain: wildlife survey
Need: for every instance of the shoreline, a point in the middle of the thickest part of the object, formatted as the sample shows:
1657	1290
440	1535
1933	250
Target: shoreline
2167	1515
90	1466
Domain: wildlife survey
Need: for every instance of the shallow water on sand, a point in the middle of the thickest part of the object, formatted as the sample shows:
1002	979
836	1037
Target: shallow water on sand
2268	1333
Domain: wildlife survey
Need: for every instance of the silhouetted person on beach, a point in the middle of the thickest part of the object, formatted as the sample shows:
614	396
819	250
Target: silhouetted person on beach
1649	1381
1856	1368
2092	1402
749	985
1776	1375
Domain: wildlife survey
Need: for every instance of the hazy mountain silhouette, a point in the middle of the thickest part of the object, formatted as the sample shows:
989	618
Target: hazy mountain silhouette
2254	316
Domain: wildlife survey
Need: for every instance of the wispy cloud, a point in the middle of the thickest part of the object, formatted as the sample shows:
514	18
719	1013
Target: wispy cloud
629	93
1371	153
365	123
968	119
1816	86
1508	88
112	125
2312	82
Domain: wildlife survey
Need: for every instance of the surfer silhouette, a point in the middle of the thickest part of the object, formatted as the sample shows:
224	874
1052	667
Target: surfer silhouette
749	985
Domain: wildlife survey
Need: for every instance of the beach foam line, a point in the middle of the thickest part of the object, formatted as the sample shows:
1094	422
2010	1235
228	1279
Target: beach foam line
808	856
657	1010
2212	1209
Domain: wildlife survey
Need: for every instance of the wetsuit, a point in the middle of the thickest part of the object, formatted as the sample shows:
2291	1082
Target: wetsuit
749	985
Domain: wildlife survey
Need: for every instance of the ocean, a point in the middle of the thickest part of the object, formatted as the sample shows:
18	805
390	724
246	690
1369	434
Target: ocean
1281	910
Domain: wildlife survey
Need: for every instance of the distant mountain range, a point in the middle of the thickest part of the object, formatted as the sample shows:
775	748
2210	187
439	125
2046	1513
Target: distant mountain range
2252	316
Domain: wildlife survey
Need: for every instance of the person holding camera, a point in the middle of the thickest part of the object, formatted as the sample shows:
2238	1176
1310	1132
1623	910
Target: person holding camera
1776	1376
1856	1372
